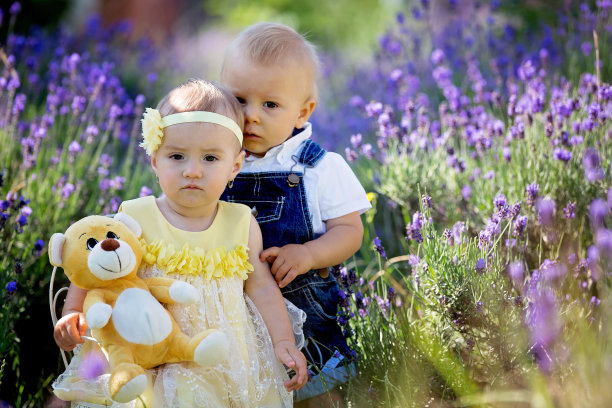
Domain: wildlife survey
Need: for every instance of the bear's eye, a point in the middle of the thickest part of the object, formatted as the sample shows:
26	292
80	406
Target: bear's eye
91	242
111	234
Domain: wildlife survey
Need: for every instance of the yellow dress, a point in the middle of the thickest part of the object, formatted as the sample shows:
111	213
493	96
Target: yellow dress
215	261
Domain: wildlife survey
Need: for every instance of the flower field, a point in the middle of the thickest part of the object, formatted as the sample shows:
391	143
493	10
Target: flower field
485	143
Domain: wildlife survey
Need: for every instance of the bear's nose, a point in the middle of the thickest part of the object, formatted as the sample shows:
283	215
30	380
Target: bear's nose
109	244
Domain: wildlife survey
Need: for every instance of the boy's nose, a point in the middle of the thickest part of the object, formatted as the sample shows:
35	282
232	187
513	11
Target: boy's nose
250	114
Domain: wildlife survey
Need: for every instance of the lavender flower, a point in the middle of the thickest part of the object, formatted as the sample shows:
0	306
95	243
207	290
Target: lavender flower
426	201
15	8
532	193
562	154
74	148
144	191
603	240
11	287
517	273
544	324
480	265
437	56
466	192
519	225
39	245
552	270
592	165
67	190
546	211
379	247
515	210
569	211
598	212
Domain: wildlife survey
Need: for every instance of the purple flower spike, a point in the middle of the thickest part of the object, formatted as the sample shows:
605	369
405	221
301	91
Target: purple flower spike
466	192
586	48
437	56
592	165
532	193
144	191
546	211
15	8
517	273
480	265
379	247
569	211
562	154
544	323
603	240
500	200
74	147
598	211
11	287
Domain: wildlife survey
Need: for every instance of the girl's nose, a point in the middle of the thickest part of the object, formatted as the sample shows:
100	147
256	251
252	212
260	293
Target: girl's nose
193	169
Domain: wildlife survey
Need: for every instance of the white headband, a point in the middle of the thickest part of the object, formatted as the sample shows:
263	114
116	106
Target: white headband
153	125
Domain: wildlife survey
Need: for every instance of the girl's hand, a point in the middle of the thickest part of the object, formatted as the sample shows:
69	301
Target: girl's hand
69	329
287	262
288	354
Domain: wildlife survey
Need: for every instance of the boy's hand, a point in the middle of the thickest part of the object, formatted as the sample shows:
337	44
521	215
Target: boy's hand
288	354
69	329
287	262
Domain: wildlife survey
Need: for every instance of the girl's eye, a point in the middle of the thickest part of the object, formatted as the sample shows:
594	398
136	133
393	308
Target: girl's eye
111	234
240	100
270	105
91	243
176	156
210	158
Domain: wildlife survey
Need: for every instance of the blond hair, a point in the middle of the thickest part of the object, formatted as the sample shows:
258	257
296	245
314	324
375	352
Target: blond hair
275	43
201	95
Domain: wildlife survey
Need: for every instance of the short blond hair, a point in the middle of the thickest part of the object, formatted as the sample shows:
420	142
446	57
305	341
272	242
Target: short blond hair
275	43
200	95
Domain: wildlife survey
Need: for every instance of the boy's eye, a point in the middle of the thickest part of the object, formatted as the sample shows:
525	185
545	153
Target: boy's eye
240	100
270	105
210	158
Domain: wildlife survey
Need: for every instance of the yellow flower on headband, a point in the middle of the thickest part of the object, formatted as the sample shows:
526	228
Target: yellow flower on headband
152	130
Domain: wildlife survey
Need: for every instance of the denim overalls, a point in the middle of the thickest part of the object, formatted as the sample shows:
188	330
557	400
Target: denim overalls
282	214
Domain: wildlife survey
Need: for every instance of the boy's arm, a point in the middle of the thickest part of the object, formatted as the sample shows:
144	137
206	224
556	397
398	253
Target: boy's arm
69	329
342	239
266	296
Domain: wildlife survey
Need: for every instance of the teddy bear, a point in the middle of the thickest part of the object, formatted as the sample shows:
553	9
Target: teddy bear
102	255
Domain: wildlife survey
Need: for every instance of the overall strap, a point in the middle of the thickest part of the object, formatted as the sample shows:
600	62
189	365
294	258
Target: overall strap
311	153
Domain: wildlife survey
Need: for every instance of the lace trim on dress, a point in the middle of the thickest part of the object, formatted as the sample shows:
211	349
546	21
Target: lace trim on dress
214	263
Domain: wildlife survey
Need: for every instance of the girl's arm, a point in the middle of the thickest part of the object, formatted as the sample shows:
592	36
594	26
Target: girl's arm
69	329
343	237
266	296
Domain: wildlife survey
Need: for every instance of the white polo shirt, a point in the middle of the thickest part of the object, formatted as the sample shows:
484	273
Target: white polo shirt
332	189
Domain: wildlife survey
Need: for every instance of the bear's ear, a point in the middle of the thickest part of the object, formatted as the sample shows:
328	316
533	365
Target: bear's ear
130	222
56	247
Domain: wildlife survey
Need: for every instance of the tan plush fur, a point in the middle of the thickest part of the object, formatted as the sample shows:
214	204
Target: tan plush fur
102	255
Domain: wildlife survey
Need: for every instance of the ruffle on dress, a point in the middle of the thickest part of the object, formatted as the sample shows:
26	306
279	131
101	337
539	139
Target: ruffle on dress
215	263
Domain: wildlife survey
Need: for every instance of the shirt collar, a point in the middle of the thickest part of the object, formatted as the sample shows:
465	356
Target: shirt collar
284	150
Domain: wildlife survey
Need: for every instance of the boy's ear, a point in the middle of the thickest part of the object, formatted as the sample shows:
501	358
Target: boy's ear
305	112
